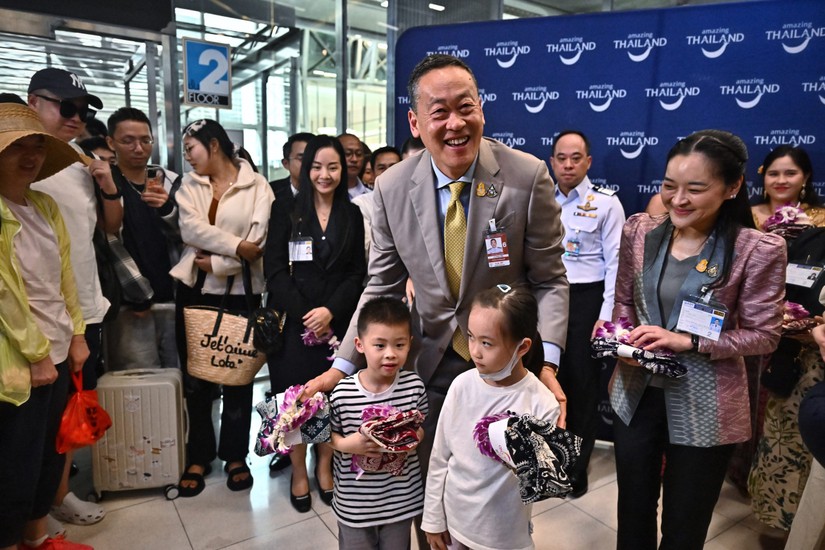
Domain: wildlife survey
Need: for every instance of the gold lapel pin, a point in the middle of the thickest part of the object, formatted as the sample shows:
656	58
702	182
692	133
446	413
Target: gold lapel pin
481	189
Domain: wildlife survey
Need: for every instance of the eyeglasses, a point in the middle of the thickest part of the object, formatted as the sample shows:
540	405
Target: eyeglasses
357	153
299	158
131	141
68	109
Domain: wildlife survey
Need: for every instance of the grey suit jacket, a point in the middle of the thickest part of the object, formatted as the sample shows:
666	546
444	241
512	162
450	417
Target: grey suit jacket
406	240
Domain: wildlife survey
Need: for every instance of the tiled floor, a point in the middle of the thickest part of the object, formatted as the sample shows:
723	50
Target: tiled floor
263	518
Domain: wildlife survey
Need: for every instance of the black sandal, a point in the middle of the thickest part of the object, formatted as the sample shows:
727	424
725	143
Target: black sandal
241	484
200	482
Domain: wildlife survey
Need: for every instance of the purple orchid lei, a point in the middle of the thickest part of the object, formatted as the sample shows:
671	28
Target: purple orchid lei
794	312
617	331
310	339
788	221
293	415
481	434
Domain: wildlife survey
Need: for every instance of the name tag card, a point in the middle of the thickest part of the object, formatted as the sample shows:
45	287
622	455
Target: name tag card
704	320
802	275
300	250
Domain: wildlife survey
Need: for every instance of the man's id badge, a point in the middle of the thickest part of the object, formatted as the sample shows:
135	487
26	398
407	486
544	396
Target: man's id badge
573	247
702	319
802	275
300	250
497	253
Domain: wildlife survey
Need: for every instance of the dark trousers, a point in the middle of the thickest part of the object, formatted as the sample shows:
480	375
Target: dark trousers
579	373
690	485
236	416
30	468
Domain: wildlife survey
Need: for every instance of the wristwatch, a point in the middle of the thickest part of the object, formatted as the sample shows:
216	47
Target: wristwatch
694	342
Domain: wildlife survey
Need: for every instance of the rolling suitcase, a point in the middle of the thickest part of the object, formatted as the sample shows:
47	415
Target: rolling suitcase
145	446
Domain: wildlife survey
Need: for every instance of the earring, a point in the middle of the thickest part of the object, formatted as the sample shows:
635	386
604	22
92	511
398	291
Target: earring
733	196
802	194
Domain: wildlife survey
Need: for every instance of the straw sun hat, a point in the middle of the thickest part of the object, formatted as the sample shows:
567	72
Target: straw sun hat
19	121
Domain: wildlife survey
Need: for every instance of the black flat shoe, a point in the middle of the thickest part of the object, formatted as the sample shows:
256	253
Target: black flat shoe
241	484
200	482
279	462
302	503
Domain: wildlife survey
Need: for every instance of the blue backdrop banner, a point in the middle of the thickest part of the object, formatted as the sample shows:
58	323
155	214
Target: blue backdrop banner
636	82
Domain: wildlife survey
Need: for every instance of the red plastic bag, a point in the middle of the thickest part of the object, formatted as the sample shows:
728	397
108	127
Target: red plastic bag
84	420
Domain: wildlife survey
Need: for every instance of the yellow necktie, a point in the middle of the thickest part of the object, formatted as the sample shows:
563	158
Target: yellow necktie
455	237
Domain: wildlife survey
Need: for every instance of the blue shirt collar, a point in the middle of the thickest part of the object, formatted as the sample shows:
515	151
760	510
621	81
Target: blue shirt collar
442	180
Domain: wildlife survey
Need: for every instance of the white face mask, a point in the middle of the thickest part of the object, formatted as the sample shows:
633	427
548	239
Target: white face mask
506	371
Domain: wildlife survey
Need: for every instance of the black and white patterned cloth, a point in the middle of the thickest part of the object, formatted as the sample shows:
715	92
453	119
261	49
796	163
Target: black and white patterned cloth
543	454
657	363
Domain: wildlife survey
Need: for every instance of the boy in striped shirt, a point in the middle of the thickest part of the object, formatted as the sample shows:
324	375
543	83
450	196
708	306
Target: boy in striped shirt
376	509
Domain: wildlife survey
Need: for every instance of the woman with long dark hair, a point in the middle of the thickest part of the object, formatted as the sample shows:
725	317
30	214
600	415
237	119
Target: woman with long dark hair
782	463
224	215
705	252
315	269
788	176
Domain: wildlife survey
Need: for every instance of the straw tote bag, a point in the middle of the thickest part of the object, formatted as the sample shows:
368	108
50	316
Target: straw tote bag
219	343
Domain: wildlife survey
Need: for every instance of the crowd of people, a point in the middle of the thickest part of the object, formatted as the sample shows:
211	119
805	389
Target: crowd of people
447	270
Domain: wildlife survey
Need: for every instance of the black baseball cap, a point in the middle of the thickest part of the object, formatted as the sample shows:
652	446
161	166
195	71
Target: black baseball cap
64	84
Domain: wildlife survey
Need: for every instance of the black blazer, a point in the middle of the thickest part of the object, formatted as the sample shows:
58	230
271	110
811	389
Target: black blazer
335	284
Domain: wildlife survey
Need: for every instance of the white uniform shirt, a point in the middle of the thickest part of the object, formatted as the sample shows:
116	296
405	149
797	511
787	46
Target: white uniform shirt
593	224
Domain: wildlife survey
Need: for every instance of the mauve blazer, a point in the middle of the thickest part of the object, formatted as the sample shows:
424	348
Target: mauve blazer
710	405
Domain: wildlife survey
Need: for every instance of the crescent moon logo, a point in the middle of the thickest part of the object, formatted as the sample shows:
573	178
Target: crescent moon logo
797	49
571	60
822	99
633	154
672	106
537	108
749	104
509	63
602	108
640	57
713	54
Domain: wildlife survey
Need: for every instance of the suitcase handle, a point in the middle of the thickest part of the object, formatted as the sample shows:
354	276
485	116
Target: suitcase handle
135	372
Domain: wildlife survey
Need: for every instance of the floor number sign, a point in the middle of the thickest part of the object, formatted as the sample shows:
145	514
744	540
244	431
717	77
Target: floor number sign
206	74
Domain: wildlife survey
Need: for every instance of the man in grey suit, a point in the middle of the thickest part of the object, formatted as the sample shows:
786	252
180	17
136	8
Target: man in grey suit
510	188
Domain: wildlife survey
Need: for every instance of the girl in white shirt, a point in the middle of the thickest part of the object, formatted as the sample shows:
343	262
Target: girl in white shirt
473	501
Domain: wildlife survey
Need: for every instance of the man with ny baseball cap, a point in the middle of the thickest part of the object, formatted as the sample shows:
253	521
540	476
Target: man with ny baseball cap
87	197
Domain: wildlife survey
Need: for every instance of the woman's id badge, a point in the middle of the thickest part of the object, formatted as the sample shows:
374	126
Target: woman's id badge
300	250
802	275
702	319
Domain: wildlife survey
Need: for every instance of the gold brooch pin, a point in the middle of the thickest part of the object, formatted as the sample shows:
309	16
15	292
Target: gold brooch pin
481	190
587	207
702	266
713	270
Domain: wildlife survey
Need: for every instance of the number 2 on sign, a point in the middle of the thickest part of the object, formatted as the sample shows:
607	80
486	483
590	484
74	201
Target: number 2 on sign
212	83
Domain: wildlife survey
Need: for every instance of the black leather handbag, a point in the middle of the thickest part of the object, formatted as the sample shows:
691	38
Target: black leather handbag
267	323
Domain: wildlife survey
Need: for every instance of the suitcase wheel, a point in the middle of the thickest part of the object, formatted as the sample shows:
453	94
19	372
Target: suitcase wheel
171	491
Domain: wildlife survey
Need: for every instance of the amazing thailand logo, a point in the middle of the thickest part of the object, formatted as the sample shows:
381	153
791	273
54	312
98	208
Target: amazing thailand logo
570	49
506	53
795	37
601	96
632	143
671	94
714	42
535	98
639	45
748	92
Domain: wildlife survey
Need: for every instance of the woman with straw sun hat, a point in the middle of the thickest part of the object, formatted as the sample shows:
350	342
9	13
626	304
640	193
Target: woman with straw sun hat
41	327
